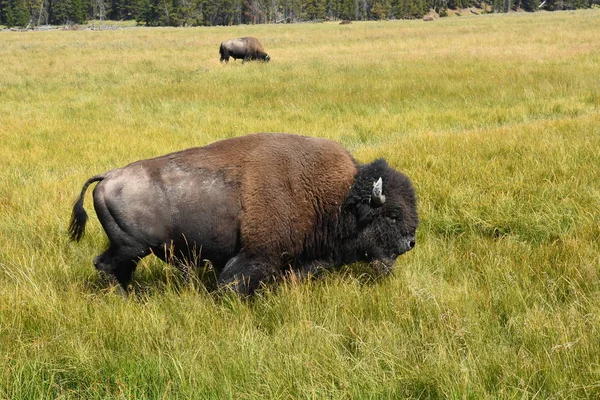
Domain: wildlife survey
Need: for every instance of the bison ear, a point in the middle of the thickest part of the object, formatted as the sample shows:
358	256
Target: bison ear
377	197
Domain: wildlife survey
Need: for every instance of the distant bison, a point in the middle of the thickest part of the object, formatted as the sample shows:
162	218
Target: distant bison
255	206
246	48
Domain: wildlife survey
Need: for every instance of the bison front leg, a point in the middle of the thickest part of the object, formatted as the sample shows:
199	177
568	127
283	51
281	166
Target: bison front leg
244	274
313	268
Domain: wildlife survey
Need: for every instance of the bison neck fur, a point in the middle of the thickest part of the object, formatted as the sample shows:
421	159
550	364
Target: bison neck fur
254	206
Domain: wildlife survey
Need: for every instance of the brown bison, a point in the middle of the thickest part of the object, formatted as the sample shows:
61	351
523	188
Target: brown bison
254	206
246	48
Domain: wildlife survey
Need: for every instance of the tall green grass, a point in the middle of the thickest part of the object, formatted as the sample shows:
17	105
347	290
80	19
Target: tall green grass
495	119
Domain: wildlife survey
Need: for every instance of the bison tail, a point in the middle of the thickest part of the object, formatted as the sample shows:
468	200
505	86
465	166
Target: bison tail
79	216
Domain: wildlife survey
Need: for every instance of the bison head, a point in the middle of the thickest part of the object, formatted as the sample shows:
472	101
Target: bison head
384	204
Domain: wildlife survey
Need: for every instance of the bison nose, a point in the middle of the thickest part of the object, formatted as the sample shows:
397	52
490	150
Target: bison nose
407	244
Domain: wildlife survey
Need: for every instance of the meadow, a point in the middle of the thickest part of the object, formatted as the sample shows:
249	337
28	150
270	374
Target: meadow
495	118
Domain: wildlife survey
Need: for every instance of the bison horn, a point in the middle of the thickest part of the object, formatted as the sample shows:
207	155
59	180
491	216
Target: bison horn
378	198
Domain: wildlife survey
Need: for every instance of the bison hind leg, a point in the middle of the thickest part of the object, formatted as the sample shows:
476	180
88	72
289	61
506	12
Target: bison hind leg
119	263
244	274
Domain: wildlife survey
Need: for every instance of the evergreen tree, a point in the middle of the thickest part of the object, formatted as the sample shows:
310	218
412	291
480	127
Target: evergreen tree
187	13
527	5
314	10
68	11
22	15
9	17
380	9
332	9
147	12
347	9
165	11
122	9
410	9
4	7
78	12
14	13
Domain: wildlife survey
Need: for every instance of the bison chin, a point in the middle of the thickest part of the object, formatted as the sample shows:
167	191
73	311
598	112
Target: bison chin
383	266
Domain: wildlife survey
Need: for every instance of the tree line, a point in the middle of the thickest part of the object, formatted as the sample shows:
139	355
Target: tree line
31	13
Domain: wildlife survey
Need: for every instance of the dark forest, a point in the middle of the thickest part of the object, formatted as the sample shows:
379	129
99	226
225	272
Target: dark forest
32	13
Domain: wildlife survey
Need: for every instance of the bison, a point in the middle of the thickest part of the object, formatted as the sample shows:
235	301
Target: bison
254	206
246	48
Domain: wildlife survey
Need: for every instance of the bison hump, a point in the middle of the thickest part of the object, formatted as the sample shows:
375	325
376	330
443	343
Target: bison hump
291	187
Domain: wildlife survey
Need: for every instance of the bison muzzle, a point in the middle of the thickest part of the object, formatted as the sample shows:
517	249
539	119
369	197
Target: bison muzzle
254	206
246	48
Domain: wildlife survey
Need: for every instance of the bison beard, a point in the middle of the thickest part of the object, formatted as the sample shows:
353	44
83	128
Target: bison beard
254	206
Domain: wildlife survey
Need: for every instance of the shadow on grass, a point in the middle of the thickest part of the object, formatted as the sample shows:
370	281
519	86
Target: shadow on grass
158	278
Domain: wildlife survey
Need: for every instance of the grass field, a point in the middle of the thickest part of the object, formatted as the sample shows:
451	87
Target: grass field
495	119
